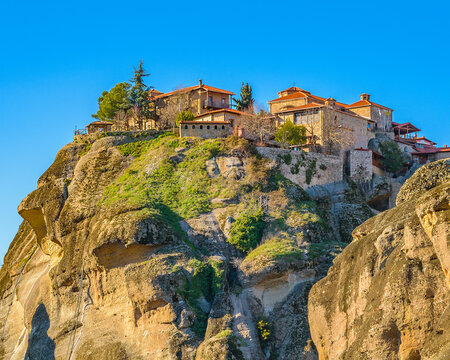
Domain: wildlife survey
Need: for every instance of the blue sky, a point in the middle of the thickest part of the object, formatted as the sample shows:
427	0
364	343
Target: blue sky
57	57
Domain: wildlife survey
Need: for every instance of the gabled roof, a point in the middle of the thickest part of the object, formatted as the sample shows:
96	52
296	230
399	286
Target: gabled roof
296	95
407	126
302	94
154	92
187	89
302	107
99	122
293	88
316	105
362	103
423	138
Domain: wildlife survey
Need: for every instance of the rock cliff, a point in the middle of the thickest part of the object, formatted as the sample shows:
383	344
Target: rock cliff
387	294
155	247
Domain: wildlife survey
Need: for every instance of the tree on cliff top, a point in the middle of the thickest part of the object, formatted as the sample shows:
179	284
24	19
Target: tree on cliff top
112	102
290	134
138	93
246	100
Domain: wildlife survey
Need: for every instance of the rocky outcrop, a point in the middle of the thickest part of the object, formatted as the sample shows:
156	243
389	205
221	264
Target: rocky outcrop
387	294
155	247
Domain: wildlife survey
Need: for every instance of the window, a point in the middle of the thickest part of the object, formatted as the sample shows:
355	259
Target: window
406	149
193	126
223	126
223	101
215	127
185	126
210	99
207	126
201	126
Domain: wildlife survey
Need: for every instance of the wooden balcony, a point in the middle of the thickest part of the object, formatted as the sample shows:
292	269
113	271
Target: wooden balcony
209	104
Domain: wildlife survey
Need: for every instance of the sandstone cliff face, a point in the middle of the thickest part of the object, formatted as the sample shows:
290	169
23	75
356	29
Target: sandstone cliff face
132	248
387	294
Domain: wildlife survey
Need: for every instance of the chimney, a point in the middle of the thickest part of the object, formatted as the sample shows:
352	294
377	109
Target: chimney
200	84
365	97
445	145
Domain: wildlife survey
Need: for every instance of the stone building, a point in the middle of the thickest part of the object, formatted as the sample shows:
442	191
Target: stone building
419	149
198	99
212	124
381	115
327	120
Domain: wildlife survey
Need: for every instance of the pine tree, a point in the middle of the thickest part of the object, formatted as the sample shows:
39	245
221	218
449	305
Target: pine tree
246	100
113	101
139	93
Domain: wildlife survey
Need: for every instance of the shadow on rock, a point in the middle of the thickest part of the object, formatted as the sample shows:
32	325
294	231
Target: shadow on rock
40	346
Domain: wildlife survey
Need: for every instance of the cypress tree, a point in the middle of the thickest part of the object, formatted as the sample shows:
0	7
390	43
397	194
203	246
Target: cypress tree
139	91
246	100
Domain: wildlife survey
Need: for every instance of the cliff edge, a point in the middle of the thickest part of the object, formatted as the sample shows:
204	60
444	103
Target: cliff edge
387	294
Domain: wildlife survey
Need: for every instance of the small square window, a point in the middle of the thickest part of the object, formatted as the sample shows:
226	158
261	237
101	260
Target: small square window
201	126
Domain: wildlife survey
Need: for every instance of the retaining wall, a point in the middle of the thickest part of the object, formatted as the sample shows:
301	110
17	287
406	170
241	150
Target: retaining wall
305	169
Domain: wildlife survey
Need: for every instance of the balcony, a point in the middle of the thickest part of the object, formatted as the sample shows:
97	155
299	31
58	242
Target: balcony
209	104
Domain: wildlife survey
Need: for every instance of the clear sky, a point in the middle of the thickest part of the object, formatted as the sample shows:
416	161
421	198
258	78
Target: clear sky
57	57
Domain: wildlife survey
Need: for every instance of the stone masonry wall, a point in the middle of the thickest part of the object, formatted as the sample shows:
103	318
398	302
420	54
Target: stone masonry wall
205	130
305	169
360	165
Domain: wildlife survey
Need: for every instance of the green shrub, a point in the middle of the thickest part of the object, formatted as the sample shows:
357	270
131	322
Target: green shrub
184	115
392	156
87	147
290	134
276	248
199	284
264	330
135	149
310	171
246	231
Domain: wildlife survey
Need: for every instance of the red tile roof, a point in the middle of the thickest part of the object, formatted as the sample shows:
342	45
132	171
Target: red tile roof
316	105
99	122
187	89
429	149
301	94
362	103
406	125
425	139
306	106
296	95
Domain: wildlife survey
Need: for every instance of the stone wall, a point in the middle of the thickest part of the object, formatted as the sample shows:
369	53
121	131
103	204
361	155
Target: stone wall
360	165
305	169
206	129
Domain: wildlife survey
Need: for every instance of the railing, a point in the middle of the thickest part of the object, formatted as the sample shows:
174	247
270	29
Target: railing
80	132
215	104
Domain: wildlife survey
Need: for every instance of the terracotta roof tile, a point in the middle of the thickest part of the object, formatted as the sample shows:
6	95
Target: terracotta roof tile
306	106
362	103
296	95
187	89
